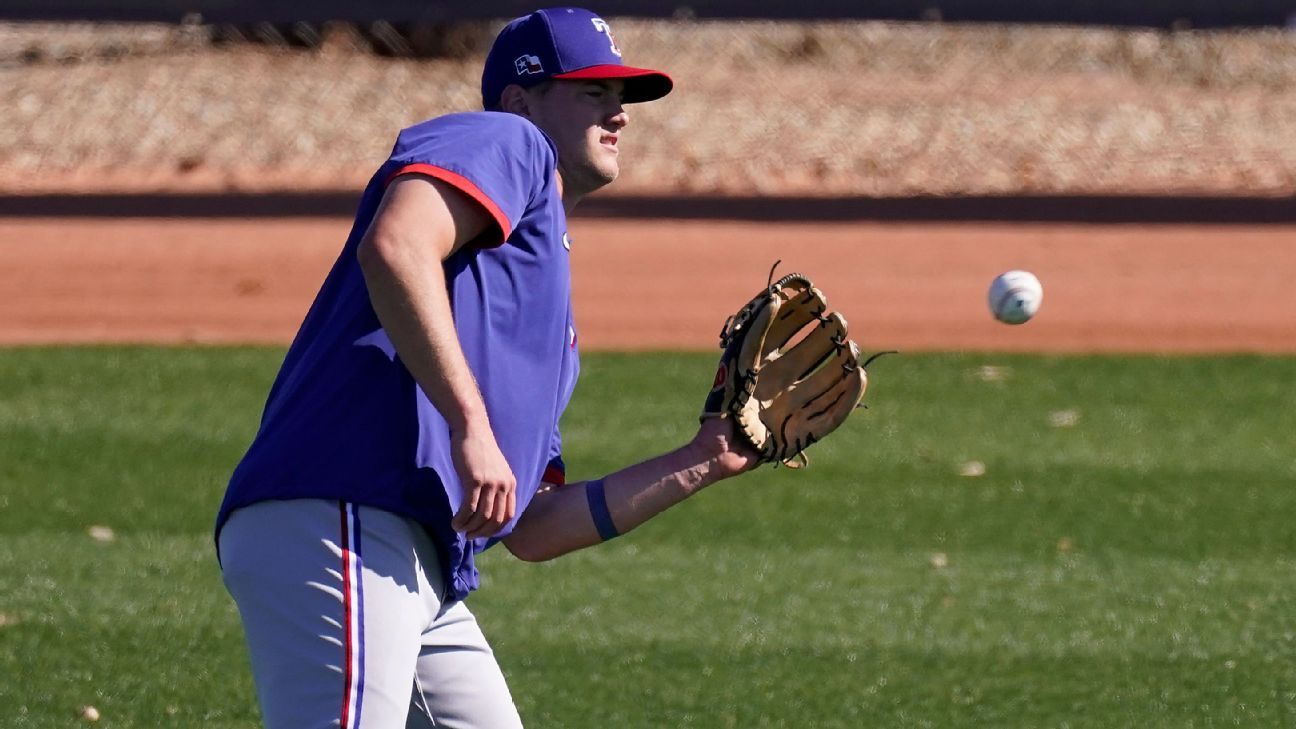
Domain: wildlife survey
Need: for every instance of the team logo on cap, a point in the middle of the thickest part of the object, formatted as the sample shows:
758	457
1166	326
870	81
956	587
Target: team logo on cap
601	26
529	64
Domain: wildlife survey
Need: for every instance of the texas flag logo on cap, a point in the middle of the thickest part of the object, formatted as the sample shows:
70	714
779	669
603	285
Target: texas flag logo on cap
528	64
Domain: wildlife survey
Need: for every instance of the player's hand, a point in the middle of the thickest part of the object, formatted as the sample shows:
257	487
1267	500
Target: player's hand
722	446
490	489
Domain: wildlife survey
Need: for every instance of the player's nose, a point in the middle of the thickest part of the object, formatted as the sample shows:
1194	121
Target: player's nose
620	118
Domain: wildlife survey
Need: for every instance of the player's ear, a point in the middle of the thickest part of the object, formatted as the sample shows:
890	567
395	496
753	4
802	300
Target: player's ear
514	100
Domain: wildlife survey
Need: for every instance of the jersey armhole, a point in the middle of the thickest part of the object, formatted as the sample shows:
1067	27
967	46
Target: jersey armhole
466	186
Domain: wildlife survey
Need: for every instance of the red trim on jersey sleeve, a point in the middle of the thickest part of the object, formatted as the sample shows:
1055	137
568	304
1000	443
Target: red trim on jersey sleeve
554	475
464	185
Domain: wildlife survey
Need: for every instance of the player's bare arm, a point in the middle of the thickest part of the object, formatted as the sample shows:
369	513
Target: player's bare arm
559	520
421	222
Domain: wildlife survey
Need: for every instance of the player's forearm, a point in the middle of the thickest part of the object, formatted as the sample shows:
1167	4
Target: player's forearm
407	288
559	521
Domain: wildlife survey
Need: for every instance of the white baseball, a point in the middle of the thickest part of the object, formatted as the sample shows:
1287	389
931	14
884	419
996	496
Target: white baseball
1015	296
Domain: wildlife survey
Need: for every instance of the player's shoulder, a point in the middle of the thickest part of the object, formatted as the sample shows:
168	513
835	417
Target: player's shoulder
478	130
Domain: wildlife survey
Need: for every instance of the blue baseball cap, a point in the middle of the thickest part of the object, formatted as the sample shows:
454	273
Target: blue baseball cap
568	43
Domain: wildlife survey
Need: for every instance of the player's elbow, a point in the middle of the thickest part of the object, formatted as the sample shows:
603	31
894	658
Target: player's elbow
529	549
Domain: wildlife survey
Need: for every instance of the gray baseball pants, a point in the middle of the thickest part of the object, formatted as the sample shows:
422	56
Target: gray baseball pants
346	625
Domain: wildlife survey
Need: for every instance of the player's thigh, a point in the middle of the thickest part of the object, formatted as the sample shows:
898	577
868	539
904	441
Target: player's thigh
459	684
332	611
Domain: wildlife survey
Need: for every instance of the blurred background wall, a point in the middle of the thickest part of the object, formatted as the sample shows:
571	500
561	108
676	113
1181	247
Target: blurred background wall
898	99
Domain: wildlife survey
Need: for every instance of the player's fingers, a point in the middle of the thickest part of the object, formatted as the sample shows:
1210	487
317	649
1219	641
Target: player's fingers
466	509
503	503
481	517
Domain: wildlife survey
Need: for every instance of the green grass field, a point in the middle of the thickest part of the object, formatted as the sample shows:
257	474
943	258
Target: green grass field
1127	558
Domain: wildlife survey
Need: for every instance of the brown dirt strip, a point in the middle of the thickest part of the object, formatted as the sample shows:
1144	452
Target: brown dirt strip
643	284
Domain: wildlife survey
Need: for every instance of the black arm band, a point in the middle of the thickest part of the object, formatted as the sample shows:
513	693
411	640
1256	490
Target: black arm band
599	510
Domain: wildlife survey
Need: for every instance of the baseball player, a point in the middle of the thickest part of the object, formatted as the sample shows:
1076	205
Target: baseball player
414	422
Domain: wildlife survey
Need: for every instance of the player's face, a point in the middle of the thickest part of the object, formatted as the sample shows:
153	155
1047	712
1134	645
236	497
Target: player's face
585	120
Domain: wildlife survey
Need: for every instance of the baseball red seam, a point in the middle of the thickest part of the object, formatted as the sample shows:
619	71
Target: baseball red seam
999	305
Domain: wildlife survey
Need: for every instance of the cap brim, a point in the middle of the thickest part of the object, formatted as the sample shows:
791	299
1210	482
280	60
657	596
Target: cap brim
641	84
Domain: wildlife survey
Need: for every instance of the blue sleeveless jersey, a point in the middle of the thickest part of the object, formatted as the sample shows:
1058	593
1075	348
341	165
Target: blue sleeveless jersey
346	421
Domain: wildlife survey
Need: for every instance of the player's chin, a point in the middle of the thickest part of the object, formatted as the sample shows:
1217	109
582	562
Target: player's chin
599	170
607	172
607	157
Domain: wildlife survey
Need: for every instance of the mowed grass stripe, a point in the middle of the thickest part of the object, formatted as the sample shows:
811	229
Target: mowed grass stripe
133	624
1124	557
843	599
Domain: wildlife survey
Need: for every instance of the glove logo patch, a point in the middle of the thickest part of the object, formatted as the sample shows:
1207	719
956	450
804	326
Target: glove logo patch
722	376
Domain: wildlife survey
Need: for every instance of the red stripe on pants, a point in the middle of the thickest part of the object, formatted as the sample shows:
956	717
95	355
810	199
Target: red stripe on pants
346	618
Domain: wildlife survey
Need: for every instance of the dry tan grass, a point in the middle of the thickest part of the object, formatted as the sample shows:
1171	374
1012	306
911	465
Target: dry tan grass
761	108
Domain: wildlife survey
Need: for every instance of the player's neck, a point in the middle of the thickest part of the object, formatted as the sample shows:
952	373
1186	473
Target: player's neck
570	196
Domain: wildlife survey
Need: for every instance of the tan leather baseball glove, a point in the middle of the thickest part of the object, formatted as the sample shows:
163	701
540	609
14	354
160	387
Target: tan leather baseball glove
788	374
